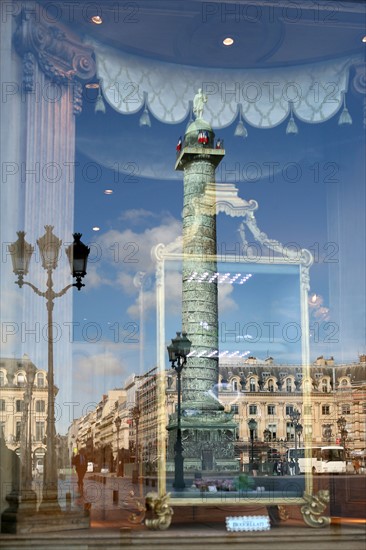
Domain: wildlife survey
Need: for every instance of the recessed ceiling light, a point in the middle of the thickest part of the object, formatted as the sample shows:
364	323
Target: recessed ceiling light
108	191
96	228
364	39
97	19
92	85
228	41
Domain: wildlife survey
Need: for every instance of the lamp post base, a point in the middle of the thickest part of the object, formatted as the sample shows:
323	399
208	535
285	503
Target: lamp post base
178	482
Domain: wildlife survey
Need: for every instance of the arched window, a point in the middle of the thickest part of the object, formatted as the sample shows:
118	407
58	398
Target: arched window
288	384
20	379
234	384
270	385
324	385
40	380
252	384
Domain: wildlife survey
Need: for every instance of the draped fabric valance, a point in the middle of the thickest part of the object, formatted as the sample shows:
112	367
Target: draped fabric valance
265	97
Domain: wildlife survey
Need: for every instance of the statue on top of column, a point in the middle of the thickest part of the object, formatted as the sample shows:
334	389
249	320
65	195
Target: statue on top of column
198	103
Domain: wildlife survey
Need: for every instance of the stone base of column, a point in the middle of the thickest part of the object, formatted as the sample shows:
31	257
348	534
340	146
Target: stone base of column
208	442
21	517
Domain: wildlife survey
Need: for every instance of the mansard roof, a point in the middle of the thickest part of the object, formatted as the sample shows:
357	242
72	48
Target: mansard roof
356	372
13	364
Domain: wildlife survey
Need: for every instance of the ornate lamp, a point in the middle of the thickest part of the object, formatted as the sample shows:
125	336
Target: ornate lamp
21	253
252	425
77	254
117	423
49	247
295	417
178	351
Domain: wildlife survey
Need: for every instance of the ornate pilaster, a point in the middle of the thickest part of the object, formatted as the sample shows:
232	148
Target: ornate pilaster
359	85
60	56
53	64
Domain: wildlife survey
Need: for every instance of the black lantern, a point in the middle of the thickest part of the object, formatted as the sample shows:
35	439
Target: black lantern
179	348
78	254
341	423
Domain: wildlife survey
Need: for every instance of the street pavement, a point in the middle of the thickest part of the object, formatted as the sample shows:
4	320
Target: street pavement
113	502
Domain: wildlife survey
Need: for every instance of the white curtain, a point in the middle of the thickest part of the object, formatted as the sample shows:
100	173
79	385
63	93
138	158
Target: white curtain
264	96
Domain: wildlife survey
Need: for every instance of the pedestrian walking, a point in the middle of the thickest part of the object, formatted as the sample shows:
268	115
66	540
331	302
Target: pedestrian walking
81	464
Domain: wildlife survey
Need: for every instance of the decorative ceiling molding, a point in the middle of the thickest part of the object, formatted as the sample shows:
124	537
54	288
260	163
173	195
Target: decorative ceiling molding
314	92
59	55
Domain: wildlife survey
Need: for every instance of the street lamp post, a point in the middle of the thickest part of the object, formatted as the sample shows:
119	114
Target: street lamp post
136	418
299	430
266	435
30	370
117	423
327	432
295	417
252	424
21	252
341	423
178	351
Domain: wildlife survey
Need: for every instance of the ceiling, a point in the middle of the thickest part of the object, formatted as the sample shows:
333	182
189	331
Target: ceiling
266	33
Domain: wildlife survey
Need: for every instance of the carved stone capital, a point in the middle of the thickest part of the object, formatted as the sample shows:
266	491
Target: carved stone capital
359	85
359	79
60	56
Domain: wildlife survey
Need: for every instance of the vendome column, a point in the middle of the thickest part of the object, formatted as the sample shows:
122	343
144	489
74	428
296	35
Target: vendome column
208	433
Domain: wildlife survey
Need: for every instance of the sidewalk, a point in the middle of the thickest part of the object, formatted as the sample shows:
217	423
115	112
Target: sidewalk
193	528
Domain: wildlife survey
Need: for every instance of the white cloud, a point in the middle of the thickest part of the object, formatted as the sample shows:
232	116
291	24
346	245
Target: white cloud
317	309
129	252
173	297
137	215
100	364
226	303
95	279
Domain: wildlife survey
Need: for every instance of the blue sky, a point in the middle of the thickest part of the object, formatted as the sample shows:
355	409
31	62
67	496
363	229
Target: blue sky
298	171
310	186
